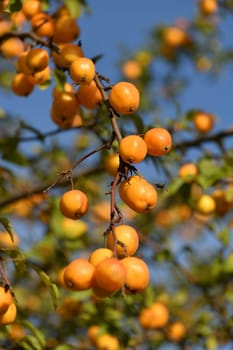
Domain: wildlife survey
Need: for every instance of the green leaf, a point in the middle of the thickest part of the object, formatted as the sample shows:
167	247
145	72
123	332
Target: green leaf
227	265
30	342
35	331
14	5
8	227
53	289
224	236
75	7
60	78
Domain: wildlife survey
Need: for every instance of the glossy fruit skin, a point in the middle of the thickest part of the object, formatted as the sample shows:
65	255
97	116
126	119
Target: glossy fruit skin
79	275
43	24
89	95
73	204
126	235
65	104
206	204
158	141
99	254
107	342
154	316
9	316
138	194
124	97
137	274
30	8
176	331
203	122
12	47
132	149
112	163
21	84
5	299
110	274
37	59
69	53
82	70
66	30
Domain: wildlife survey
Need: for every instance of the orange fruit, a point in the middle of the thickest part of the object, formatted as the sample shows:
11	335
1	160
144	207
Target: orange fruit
66	29
124	97
188	171
112	163
208	7
100	292
9	315
203	122
127	238
154	316
69	53
21	84
137	274
92	333
31	8
132	149
5	26
65	104
6	241
82	70
5	299
12	47
138	194
89	95
131	69
73	204
158	141
79	274
99	254
41	77
176	331
21	64
110	274
206	204
37	59
107	342
43	24
175	37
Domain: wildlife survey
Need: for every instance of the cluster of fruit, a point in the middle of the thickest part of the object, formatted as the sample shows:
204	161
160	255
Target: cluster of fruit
8	309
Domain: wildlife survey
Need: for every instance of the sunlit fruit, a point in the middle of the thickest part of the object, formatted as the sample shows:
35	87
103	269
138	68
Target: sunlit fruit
9	315
100	254
124	97
100	292
206	204
73	204
12	47
21	64
127	240
208	7
43	24
5	299
65	104
21	84
154	316
175	37
66	29
82	70
188	171
5	26
137	274
158	141
89	95
73	229
138	194
41	77
176	331
203	122
79	274
69	53
112	163
110	274
93	332
107	342
37	59
132	149
131	69
7	242
31	8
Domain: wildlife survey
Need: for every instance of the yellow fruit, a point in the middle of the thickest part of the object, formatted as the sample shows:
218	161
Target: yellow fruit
206	204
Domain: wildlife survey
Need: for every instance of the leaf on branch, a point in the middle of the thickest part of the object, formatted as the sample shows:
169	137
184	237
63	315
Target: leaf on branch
60	78
30	342
8	227
52	287
36	332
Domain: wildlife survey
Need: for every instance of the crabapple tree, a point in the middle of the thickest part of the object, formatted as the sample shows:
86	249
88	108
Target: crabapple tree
116	219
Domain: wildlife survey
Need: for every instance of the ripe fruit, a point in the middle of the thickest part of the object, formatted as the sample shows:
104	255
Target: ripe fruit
73	229
6	241
203	122
30	8
138	194
124	97
21	84
107	342
188	171
65	104
69	53
100	254
223	204
5	299
154	316
12	47
131	69
137	274
127	238
158	141
9	315
66	30
132	149
92	333
176	331
89	95
112	163
175	37
82	70
79	274
110	274
208	7
43	24
206	204
74	204
37	59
